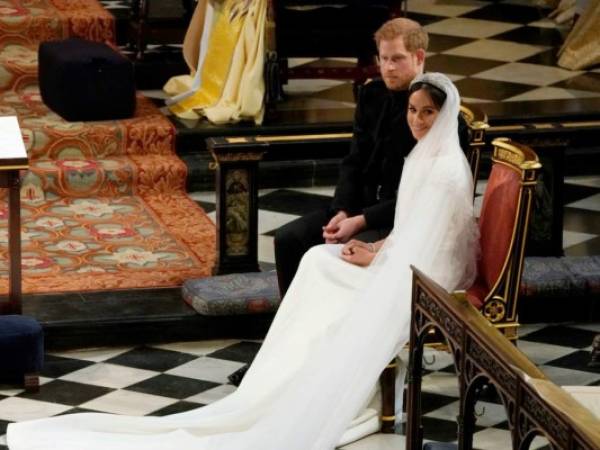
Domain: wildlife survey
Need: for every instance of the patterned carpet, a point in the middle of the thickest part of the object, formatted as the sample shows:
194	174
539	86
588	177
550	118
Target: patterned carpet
104	203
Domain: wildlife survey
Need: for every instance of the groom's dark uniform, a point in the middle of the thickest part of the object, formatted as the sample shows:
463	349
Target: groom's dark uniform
368	182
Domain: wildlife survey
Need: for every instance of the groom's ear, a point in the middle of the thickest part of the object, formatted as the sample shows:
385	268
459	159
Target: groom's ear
420	55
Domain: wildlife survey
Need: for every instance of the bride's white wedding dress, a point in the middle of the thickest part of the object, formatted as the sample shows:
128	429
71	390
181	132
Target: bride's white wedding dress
337	328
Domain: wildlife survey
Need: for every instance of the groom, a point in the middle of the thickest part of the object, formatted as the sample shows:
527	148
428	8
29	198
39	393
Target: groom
365	197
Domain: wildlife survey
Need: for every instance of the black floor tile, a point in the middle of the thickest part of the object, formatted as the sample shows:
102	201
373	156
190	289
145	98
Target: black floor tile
582	220
574	192
206	206
152	359
590	247
424	19
431	402
503	425
589	81
293	202
175	408
172	386
562	335
533	36
545	58
441	43
56	366
67	392
240	352
440	430
503	12
3	425
490	89
459	65
577	361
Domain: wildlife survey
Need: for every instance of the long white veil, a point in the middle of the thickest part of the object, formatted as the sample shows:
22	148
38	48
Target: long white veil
324	352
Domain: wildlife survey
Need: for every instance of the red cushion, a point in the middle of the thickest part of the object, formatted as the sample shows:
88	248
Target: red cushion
496	225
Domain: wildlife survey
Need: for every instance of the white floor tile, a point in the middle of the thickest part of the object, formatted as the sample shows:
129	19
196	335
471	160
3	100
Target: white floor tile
595	327
496	50
109	375
569	377
327	191
592	203
16	409
539	442
92	354
571	238
271	220
266	249
128	403
209	369
591	181
448	8
551	93
212	395
9	390
543	23
297	86
436	359
488	414
440	383
540	353
198	348
213	216
492	439
204	196
534	74
472	28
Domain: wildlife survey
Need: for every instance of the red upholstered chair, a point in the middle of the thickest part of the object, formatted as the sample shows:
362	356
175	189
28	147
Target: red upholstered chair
503	224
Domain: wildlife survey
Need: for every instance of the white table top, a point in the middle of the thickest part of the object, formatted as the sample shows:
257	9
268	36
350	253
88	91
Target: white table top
12	149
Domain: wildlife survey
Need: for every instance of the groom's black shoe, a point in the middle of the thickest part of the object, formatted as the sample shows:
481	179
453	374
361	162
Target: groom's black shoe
236	377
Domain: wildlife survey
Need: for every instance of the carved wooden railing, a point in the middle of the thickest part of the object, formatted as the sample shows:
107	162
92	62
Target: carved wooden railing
482	355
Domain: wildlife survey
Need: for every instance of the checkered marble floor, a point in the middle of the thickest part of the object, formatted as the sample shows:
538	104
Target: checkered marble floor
170	378
494	50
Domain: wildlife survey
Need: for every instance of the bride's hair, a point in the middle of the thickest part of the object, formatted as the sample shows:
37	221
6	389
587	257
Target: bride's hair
437	95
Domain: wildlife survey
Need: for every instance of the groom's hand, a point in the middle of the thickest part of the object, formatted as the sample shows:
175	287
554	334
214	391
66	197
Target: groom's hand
346	228
332	227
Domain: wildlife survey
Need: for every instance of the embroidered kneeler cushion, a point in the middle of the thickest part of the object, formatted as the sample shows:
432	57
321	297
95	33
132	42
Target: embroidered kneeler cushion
238	293
83	80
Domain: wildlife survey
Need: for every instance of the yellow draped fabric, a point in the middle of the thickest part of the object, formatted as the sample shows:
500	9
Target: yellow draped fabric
231	72
582	47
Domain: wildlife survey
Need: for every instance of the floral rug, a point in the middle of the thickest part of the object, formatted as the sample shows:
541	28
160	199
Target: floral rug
103	203
26	23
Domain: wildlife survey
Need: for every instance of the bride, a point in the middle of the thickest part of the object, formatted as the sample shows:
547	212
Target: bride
345	316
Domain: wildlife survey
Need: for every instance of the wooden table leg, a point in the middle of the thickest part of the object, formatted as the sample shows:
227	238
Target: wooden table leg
14	243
